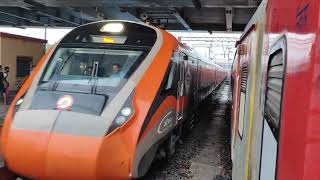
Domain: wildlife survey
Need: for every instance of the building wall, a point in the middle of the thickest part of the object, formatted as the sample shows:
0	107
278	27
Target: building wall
10	48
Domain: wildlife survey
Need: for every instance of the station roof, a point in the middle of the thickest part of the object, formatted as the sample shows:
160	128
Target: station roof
210	15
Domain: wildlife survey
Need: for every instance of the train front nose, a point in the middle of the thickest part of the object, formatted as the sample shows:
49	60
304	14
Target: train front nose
45	144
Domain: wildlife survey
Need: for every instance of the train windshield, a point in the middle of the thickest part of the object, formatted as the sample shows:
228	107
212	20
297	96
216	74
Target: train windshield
98	58
90	70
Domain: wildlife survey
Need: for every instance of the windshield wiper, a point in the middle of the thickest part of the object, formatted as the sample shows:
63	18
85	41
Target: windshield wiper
94	76
57	73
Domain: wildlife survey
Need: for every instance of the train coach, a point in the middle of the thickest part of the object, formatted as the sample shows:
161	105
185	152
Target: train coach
275	79
104	102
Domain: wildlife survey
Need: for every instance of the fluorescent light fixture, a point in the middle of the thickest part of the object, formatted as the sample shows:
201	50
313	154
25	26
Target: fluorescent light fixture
112	27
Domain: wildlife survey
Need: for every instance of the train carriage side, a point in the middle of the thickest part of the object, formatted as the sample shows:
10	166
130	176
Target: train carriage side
246	105
292	89
280	140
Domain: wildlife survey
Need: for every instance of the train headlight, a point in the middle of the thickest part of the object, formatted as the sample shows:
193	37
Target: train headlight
19	102
126	111
123	115
112	27
120	120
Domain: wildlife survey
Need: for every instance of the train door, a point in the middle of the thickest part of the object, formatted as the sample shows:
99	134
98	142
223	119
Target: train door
194	75
188	75
181	84
197	81
272	112
215	76
235	96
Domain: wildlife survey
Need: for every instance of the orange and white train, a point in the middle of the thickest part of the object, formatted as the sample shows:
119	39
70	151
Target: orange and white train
104	102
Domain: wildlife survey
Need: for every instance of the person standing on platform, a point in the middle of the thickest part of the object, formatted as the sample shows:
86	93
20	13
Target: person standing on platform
2	89
6	83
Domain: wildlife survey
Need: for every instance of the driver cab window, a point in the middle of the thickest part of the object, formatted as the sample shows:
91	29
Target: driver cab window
81	65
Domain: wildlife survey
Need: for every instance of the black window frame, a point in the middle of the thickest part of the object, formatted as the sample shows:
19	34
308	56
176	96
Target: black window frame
278	47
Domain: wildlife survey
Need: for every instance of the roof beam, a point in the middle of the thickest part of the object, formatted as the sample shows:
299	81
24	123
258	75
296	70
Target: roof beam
82	14
229	17
252	2
117	13
7	20
13	24
10	20
34	3
20	17
182	21
197	4
53	17
43	10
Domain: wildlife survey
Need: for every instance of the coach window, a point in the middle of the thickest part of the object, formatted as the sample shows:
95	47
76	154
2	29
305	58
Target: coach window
172	67
274	92
243	90
170	77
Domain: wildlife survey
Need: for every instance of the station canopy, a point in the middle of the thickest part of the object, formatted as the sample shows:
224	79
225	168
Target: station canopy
209	15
